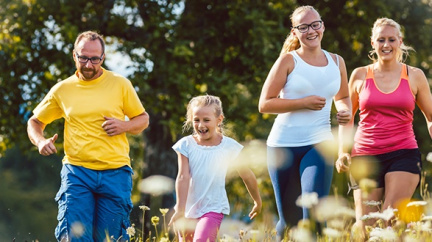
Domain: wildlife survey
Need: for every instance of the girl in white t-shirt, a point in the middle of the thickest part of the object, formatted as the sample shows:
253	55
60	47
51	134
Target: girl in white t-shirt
203	161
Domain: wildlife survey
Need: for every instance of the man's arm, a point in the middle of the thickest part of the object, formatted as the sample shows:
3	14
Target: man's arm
135	125
35	130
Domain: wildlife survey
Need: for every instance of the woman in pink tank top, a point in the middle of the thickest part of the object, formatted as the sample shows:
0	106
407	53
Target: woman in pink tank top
385	94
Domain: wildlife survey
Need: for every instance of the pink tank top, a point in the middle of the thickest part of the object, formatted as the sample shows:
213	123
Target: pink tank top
385	118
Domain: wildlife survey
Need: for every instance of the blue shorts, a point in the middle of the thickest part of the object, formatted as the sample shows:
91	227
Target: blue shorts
408	160
93	204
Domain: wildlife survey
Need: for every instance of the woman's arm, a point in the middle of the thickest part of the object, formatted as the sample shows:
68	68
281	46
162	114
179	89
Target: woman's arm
270	102
423	95
342	99
346	132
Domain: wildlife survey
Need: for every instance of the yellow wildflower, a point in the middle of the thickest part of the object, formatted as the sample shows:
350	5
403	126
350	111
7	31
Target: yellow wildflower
163	211
155	220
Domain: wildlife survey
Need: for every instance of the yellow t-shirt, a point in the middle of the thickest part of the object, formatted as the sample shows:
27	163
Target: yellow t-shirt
83	105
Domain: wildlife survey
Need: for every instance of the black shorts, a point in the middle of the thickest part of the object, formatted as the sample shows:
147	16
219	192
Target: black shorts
375	167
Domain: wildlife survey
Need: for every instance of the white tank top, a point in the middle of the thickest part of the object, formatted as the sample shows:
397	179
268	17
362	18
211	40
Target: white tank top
306	127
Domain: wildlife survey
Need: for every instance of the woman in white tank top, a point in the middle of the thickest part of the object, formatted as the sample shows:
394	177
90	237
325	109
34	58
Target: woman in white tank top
300	89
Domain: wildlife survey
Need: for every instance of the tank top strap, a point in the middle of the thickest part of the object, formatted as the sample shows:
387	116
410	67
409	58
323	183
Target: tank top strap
369	74
404	72
295	56
330	58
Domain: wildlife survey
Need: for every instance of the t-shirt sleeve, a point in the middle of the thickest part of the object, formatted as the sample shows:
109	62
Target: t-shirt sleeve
236	148
182	146
132	104
48	110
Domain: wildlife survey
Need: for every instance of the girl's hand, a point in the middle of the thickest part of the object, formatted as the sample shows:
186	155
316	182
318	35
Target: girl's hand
177	215
255	210
343	162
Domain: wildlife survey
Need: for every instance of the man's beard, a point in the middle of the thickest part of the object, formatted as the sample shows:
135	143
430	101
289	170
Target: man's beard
88	73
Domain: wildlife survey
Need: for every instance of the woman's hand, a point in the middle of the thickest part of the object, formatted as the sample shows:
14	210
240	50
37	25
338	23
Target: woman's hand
343	162
343	117
314	102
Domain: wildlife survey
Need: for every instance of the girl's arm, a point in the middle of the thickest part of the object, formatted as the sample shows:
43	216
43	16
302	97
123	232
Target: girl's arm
423	96
182	187
270	102
251	183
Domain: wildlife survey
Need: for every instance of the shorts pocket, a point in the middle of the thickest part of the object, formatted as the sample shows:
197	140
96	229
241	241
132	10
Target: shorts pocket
61	231
60	199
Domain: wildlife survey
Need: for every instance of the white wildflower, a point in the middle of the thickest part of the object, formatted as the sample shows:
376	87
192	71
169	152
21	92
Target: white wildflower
387	234
77	229
300	234
417	204
230	228
410	237
386	215
426	227
156	185
307	200
336	224
429	157
144	208
372	203
365	217
332	233
345	213
327	207
374	239
130	231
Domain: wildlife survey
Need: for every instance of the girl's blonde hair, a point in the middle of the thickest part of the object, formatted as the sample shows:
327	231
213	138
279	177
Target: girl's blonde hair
402	52
291	42
203	101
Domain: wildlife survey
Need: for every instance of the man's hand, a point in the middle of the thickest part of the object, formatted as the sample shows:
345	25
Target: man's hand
113	126
46	147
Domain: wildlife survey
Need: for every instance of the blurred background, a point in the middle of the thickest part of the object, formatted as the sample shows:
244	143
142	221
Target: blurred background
171	51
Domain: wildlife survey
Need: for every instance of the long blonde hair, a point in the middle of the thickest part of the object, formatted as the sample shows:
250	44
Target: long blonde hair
291	42
203	101
402	52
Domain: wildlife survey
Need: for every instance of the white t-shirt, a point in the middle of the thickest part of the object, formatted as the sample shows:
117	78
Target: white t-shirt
306	127
208	167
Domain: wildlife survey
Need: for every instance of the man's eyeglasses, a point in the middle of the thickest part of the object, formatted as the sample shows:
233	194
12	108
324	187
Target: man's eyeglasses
303	28
93	60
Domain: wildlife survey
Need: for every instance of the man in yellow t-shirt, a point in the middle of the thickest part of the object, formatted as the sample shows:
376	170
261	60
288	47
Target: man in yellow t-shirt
95	193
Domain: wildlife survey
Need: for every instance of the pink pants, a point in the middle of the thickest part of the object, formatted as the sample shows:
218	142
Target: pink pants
206	229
